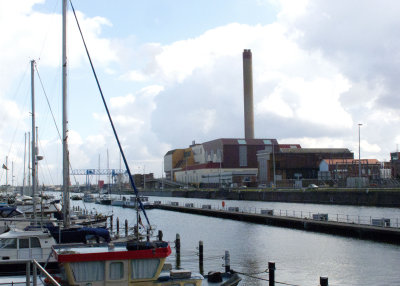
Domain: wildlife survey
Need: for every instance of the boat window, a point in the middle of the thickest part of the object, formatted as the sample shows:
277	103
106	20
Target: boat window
35	242
24	243
88	271
8	243
116	270
144	268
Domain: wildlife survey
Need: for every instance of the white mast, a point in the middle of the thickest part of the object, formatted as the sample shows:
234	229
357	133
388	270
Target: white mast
24	179
6	170
12	173
98	176
29	160
108	175
34	168
65	118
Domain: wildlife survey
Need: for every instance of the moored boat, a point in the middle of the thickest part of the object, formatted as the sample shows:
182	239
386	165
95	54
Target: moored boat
88	198
132	263
17	246
132	203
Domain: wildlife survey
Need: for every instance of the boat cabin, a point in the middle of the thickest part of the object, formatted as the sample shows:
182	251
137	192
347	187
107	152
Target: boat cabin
26	245
138	263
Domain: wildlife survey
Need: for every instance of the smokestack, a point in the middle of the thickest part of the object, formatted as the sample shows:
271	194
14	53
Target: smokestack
248	95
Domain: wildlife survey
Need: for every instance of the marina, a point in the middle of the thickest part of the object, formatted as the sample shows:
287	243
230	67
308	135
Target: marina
289	201
301	257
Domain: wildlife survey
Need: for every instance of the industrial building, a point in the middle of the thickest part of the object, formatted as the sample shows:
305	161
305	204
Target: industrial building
292	163
395	164
223	161
249	162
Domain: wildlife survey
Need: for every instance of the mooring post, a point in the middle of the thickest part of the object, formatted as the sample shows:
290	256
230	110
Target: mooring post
126	228
227	261
34	274
201	257
178	250
271	273
160	235
323	281
28	273
148	235
118	226
111	223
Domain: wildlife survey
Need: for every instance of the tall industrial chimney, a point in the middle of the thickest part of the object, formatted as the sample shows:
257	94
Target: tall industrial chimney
248	95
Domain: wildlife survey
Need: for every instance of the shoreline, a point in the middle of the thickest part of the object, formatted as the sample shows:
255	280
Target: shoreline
365	197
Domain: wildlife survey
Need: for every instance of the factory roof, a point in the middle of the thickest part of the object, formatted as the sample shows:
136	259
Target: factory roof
351	161
315	150
244	141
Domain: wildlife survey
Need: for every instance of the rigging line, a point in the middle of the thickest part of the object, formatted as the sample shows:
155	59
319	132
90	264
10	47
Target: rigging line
51	24
47	165
111	122
16	128
18	87
52	114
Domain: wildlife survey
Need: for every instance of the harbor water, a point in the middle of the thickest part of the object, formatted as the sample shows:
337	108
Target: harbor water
301	257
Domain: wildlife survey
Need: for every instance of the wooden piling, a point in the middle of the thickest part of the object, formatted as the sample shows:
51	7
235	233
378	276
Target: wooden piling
271	273
126	228
111	223
323	281
28	273
178	251
118	226
160	235
34	272
227	261
201	257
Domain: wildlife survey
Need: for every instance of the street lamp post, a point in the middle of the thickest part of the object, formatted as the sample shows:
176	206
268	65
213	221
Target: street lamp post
359	155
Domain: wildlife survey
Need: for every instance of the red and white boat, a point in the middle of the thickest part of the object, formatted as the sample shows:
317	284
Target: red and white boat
126	263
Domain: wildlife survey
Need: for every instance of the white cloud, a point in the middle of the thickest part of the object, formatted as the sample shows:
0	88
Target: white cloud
134	76
318	70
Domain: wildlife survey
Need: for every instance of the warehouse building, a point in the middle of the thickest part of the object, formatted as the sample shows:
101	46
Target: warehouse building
223	161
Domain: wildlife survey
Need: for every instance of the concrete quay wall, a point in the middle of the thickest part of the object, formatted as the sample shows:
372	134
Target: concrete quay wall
382	234
364	197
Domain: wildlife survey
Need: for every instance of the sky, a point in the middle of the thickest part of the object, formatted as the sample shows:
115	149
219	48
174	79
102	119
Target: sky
171	73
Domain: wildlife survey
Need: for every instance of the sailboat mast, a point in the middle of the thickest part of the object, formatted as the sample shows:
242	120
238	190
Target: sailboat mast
29	160
108	175
34	184
6	170
24	178
65	118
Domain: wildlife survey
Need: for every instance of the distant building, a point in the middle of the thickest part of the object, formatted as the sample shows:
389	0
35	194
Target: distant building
223	161
291	162
395	164
343	168
140	179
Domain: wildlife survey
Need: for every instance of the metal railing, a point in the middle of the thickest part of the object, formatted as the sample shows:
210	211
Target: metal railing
340	218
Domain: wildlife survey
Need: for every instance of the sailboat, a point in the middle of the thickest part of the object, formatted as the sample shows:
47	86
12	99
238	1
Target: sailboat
137	261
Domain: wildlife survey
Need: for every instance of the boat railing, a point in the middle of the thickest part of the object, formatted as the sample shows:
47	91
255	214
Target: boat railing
35	267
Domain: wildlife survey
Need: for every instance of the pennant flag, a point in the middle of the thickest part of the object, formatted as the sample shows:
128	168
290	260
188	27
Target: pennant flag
140	221
5	167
